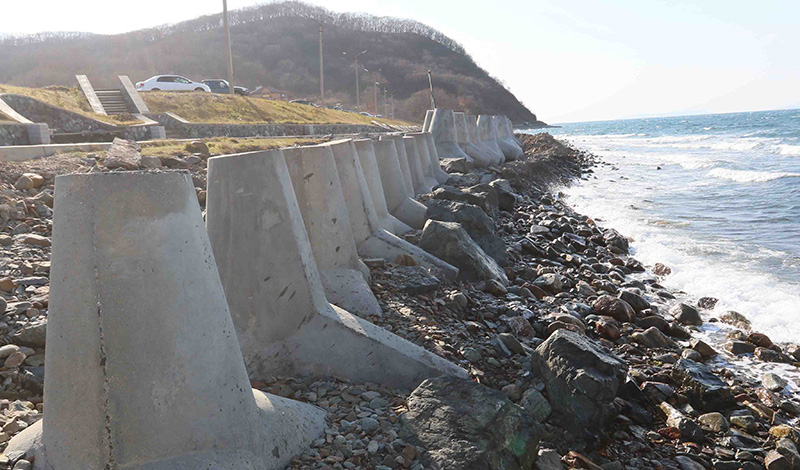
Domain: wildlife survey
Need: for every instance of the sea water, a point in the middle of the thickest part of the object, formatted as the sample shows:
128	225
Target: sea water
714	197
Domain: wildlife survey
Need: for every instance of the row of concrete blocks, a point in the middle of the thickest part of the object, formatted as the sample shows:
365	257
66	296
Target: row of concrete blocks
157	319
483	140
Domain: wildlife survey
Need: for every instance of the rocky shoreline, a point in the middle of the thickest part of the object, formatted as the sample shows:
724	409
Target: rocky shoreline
578	356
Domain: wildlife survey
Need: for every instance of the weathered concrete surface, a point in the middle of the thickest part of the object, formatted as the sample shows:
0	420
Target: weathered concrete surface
324	211
372	241
402	159
369	164
143	367
440	175
426	126
424	184
284	322
425	157
443	128
467	139
492	155
510	149
488	136
408	210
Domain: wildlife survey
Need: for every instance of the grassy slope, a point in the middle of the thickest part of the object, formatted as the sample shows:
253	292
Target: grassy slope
208	107
71	99
221	145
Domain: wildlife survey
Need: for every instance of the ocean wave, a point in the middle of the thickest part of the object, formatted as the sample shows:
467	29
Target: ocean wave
745	176
786	149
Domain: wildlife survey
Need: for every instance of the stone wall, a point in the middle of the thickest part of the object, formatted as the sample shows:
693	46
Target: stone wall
13	134
62	121
177	127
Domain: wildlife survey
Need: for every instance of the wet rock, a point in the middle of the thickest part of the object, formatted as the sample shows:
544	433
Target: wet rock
692	354
707	303
788	449
614	239
654	338
706	391
653	320
473	219
736	319
773	382
636	301
686	314
706	351
613	307
689	429
769	355
740	347
449	242
581	379
465	425
549	459
777	461
759	339
687	463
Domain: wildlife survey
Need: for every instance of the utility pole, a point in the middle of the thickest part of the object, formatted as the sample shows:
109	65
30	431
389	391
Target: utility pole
391	100
385	106
358	85
321	69
228	44
430	84
375	88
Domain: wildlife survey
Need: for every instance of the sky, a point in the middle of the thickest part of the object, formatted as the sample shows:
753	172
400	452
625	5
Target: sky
568	61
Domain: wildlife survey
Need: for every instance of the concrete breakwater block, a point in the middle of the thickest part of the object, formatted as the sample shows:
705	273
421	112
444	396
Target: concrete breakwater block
488	136
479	154
426	125
408	210
324	211
443	128
402	159
283	320
372	241
366	156
143	367
425	158
491	155
440	175
510	149
424	185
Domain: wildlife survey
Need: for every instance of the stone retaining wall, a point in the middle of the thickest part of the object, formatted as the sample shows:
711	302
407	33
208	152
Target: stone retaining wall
177	127
13	134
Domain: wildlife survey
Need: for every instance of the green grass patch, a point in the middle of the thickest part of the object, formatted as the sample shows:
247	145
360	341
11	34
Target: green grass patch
221	145
71	99
227	109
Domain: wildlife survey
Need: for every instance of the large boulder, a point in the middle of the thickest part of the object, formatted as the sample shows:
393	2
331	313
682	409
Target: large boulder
123	154
474	220
686	314
467	426
449	242
581	378
706	391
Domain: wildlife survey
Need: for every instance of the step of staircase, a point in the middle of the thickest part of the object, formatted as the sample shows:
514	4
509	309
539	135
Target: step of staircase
113	101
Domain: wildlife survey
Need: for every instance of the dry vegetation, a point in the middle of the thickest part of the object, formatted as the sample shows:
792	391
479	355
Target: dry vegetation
221	145
227	109
71	99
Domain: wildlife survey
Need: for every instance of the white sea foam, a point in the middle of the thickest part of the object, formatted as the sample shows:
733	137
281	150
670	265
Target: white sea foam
786	149
744	176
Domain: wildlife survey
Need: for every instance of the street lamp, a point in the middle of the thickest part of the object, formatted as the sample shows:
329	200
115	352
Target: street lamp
385	109
430	84
375	87
228	44
358	91
321	71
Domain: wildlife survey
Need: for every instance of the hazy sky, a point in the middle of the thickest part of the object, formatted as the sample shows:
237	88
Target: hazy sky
572	60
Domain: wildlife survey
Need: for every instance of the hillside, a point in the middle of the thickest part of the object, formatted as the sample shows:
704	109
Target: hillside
275	47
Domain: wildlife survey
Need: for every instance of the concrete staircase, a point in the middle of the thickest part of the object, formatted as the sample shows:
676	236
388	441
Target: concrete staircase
113	101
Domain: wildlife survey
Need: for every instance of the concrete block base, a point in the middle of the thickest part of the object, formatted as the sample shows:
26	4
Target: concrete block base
440	175
143	370
284	322
347	288
38	134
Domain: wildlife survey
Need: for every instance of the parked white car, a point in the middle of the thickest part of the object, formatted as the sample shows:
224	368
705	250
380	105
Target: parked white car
171	83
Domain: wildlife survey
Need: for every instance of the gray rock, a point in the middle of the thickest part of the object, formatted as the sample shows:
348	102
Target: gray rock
689	429
474	220
654	338
706	392
369	424
714	421
686	314
581	379
123	154
449	242
552	283
150	162
773	382
692	354
777	461
536	404
740	347
688	463
465	425
33	335
414	280
506	198
788	449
